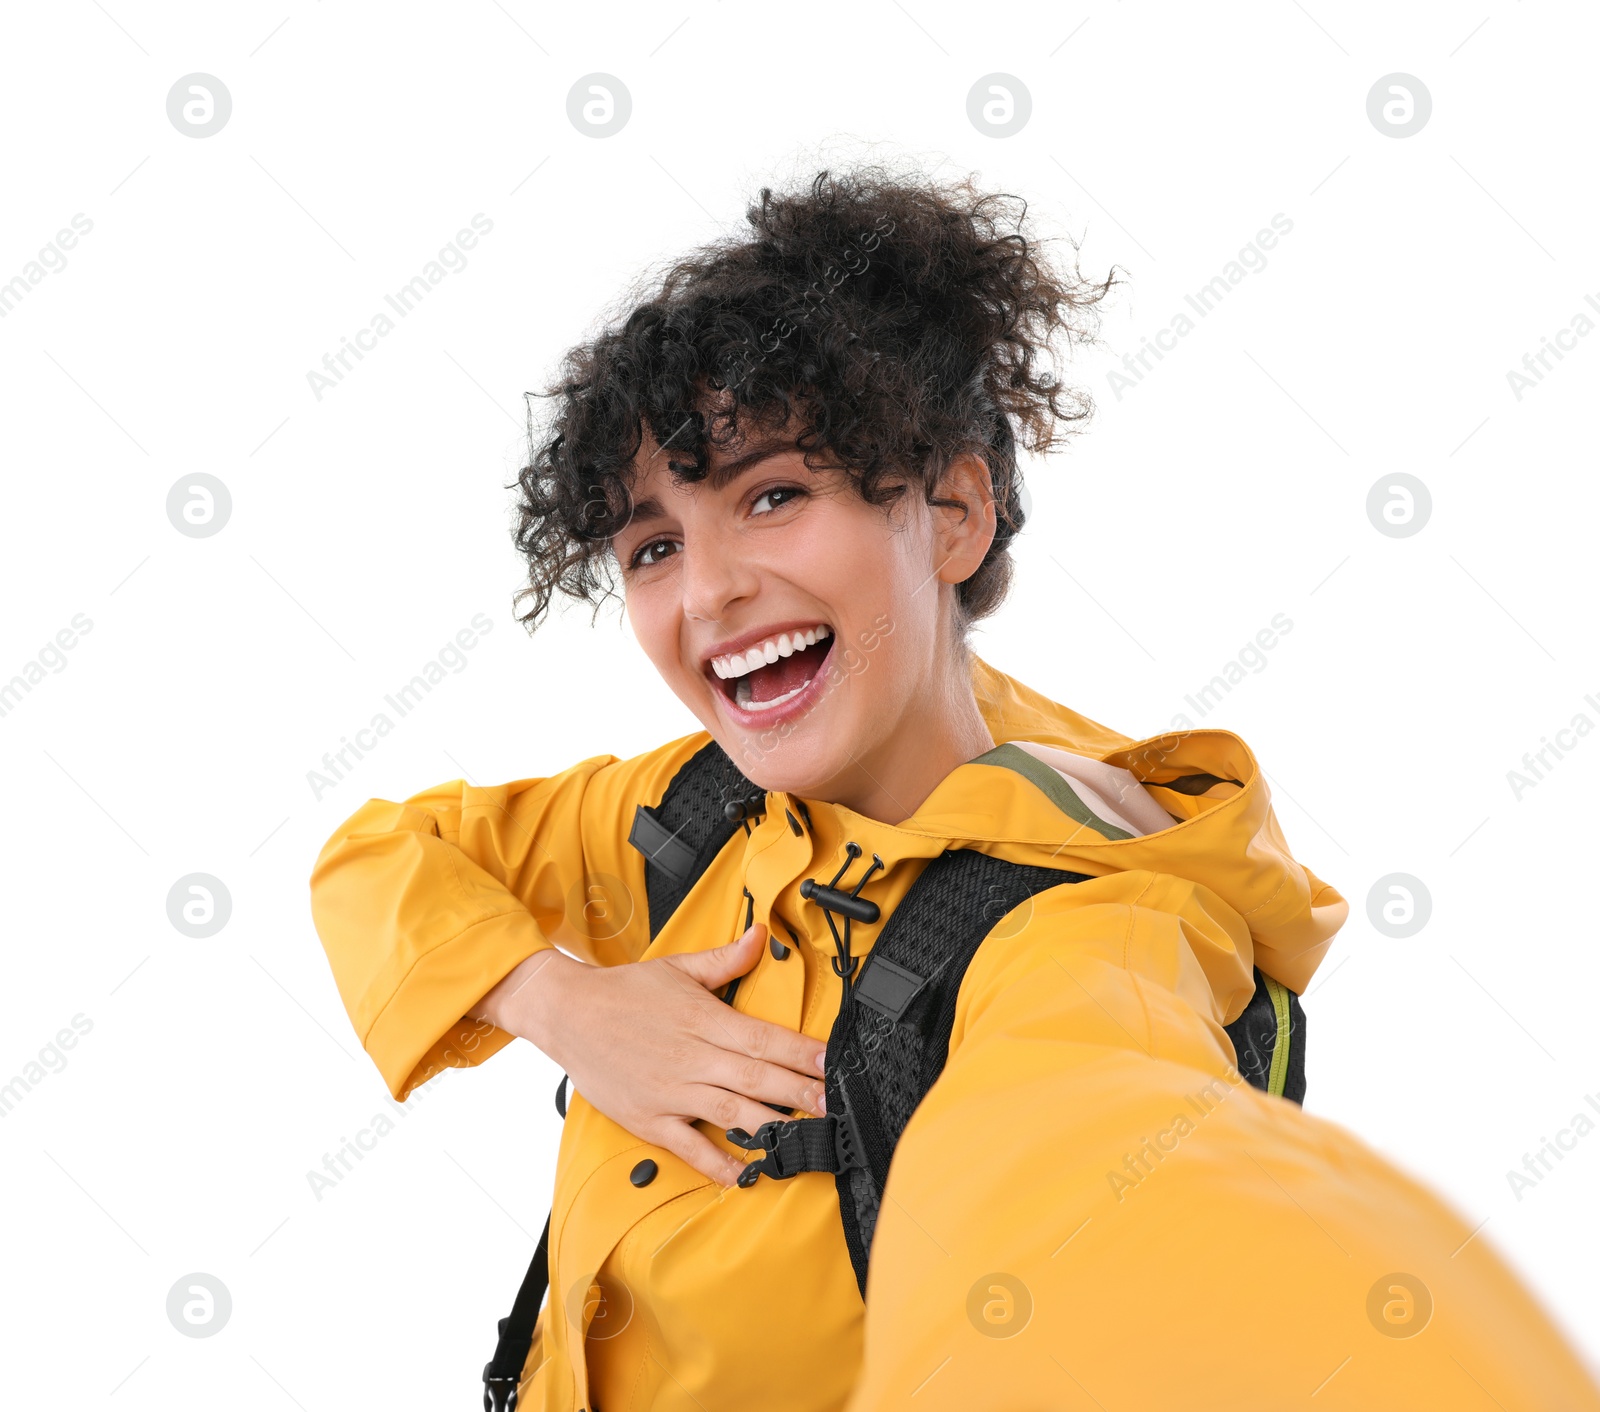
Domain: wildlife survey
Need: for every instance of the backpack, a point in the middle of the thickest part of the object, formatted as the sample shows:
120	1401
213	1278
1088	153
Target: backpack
891	1038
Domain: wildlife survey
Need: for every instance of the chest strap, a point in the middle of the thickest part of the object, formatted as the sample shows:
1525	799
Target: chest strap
795	1145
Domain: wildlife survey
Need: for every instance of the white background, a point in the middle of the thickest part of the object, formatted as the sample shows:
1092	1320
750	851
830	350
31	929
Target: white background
368	527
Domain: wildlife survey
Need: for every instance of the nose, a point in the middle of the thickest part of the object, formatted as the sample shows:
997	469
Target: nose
718	572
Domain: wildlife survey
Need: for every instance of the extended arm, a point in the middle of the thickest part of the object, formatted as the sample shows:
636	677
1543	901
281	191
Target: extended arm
1091	1205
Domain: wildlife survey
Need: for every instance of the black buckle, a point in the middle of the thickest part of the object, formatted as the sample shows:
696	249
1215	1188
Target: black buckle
779	1136
499	1394
502	1373
766	1136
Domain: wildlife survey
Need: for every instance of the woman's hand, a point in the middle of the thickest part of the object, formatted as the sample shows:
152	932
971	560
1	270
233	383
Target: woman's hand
651	1046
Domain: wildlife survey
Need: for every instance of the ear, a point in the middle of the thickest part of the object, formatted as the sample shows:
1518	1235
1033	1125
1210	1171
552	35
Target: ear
964	535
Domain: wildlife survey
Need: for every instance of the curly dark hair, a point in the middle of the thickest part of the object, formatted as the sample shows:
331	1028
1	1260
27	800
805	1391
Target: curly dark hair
897	322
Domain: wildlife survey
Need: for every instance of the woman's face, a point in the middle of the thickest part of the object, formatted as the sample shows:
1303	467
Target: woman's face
809	632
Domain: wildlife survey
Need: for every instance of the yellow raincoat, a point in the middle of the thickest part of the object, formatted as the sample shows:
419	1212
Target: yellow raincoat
1090	1209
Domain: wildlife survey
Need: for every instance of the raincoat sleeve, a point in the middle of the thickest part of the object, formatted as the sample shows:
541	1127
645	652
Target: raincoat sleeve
1091	1208
423	906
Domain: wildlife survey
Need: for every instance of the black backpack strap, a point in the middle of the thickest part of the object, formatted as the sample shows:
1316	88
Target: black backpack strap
899	1034
503	1372
704	806
1269	1038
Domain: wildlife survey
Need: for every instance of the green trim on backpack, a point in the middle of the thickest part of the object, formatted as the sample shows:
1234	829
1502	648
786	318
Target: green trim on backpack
1279	1073
1061	794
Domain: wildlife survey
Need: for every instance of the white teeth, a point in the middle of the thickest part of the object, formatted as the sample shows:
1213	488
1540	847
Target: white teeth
741	695
739	664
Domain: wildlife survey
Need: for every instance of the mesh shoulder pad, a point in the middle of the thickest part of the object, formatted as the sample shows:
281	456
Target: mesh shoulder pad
886	1052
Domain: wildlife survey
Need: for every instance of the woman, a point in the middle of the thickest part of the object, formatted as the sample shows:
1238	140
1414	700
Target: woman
798	454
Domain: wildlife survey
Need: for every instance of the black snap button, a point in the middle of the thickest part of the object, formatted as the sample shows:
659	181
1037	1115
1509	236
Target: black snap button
644	1173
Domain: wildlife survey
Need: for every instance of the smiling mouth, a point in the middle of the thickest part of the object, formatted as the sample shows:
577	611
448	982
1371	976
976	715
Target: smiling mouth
766	676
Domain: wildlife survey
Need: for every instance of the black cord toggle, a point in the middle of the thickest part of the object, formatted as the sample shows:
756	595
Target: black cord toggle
736	810
849	905
844	903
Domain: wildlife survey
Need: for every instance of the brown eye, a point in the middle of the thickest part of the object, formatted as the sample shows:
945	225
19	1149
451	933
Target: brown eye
788	492
645	555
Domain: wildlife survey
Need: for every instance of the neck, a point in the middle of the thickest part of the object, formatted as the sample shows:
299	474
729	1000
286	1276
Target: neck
945	731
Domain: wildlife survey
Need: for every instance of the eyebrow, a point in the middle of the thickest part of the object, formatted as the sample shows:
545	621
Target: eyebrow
721	475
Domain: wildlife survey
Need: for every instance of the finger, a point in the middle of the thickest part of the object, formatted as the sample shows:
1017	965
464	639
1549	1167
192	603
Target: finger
766	1083
694	1147
723	1109
776	1044
715	968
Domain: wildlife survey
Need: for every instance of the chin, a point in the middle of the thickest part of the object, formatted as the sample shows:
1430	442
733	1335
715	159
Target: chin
794	757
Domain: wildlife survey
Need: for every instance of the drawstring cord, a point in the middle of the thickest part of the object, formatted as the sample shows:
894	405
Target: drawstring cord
851	906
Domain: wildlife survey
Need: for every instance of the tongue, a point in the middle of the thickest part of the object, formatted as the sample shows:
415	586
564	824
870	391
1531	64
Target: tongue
778	678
